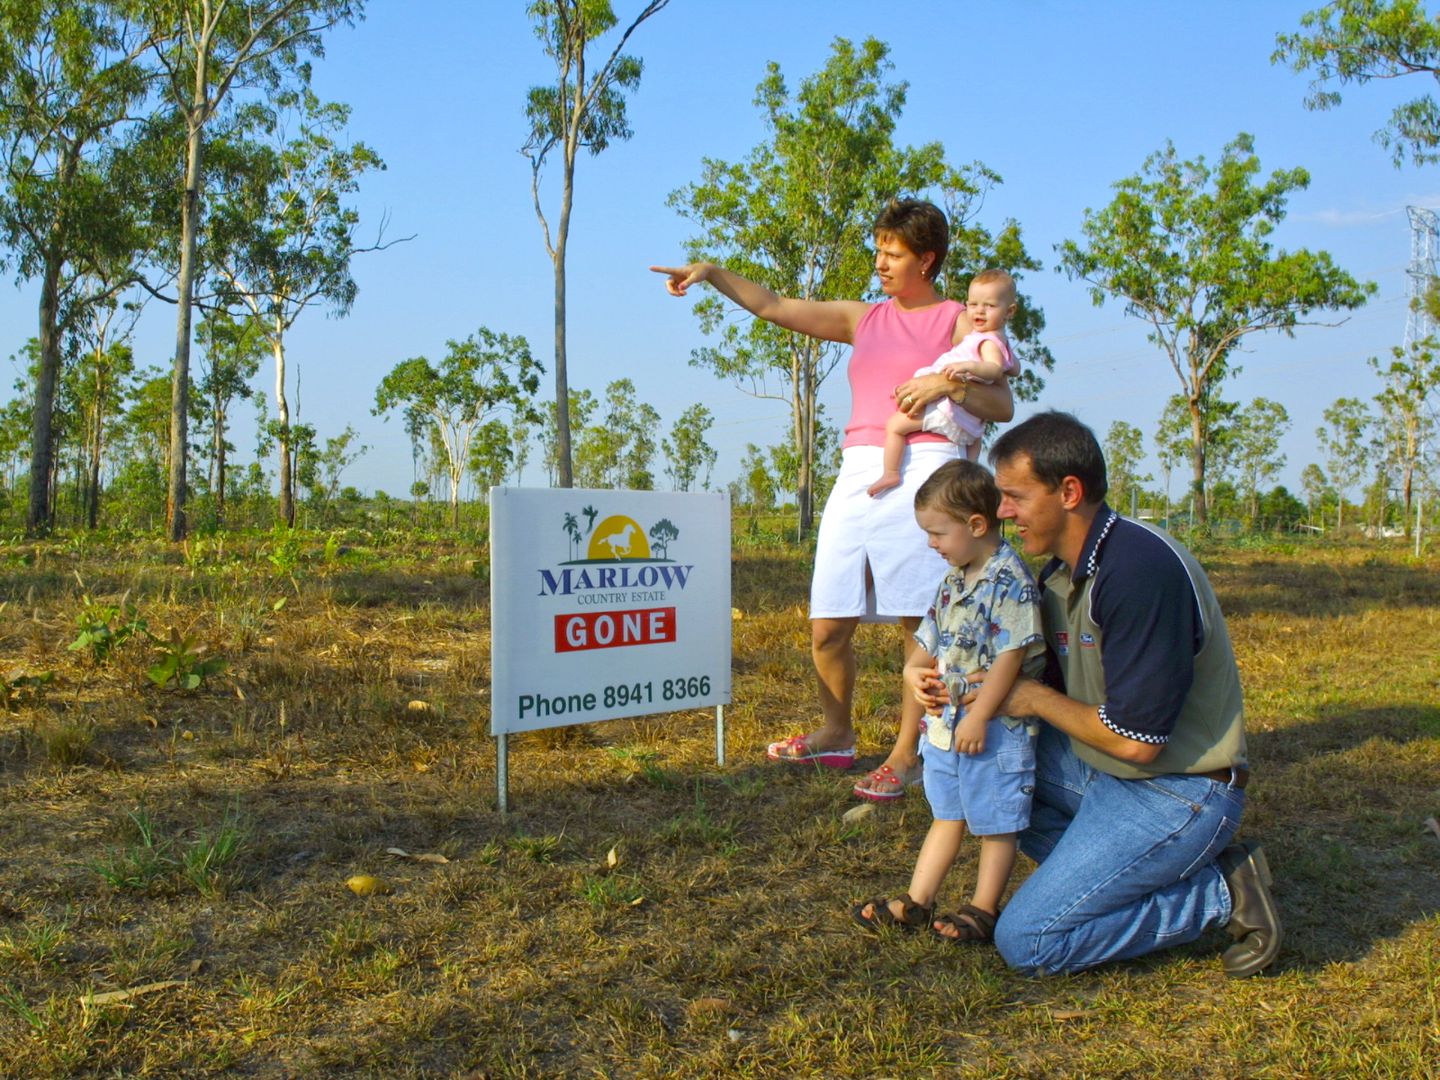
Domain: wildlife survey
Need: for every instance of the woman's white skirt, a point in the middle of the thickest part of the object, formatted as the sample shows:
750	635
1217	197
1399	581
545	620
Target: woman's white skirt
856	530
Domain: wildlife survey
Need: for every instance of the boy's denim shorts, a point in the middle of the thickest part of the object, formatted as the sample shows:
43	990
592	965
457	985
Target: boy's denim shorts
989	791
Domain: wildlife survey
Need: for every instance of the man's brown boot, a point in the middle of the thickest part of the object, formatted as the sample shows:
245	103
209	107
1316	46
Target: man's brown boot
1254	919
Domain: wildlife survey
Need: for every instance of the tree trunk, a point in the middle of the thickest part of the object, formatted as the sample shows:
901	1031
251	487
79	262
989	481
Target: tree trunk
805	482
1197	464
40	518
1407	483
562	378
175	496
282	427
97	443
217	422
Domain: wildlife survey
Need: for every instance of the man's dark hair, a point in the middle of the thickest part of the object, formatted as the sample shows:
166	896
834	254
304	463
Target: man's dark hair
920	226
960	488
1058	445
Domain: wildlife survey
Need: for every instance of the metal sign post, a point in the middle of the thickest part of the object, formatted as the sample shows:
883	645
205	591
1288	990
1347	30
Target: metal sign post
719	734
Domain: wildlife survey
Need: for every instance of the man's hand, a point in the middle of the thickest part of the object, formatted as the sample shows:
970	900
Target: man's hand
1014	703
970	735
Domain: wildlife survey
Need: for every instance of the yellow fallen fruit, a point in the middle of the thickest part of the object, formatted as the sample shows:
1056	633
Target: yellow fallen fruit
418	706
366	885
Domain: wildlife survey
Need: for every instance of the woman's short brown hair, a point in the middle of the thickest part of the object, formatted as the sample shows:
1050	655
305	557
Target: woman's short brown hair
920	226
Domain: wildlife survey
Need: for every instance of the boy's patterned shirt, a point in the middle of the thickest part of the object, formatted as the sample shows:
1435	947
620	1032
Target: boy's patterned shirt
966	629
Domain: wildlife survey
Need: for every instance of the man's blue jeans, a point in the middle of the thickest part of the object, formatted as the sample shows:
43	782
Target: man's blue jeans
1126	866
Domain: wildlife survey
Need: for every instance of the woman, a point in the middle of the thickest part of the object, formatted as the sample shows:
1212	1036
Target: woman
871	560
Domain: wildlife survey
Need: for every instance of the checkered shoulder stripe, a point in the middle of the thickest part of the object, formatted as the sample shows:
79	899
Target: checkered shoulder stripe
1138	736
1093	563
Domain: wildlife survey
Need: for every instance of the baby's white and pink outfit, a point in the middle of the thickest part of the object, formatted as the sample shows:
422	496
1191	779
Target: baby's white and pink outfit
943	416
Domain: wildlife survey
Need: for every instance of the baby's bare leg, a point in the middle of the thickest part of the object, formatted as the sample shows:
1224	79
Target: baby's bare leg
896	428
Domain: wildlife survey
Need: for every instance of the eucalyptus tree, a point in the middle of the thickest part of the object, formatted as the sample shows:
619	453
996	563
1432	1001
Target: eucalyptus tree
690	458
486	376
1257	431
69	78
491	453
1124	449
340	452
15	425
1172	440
1316	485
617	450
582	406
756	480
520	446
1355	41
206	50
1345	440
796	215
1186	247
104	364
583	109
284	237
147	419
1407	418
231	351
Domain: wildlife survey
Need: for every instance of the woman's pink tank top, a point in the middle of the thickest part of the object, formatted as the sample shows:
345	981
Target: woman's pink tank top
890	345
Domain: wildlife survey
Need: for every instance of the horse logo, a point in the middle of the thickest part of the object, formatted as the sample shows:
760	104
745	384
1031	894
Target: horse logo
618	538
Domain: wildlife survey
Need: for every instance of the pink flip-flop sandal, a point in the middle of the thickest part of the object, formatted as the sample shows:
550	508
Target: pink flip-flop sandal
796	751
877	787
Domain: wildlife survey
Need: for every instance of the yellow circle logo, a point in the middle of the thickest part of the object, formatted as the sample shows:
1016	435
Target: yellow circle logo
618	537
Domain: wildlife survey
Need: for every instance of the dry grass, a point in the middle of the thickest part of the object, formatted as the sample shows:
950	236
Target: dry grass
203	840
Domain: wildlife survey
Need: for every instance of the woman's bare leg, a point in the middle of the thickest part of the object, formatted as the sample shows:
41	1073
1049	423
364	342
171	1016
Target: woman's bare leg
832	647
902	764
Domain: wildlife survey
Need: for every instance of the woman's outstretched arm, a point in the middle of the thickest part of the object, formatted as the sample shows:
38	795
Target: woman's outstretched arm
829	320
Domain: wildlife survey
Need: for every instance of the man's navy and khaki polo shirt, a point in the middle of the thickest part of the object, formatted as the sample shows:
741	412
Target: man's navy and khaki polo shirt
1137	631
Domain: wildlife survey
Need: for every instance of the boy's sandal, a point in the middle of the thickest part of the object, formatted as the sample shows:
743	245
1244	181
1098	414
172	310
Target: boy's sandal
912	915
970	923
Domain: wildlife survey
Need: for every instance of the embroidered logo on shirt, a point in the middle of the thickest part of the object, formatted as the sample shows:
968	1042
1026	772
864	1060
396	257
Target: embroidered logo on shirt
1087	641
1062	642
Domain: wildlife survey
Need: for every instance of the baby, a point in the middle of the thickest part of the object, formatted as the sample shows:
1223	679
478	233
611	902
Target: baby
983	355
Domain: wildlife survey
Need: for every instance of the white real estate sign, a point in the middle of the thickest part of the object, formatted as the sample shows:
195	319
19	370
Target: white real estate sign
606	604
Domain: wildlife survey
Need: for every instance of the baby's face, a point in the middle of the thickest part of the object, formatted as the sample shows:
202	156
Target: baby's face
990	306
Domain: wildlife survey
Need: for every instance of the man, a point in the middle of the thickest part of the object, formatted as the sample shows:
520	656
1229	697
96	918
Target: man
1141	764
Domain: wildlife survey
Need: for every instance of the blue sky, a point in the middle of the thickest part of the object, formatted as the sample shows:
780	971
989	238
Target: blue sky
1061	99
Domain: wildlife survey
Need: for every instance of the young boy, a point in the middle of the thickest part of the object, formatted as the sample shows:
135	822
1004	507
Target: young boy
983	355
980	770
